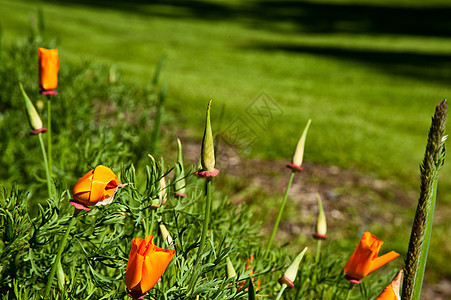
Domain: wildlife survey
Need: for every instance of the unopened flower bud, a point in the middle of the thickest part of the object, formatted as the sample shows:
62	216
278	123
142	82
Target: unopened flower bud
208	152
298	155
32	115
321	224
290	274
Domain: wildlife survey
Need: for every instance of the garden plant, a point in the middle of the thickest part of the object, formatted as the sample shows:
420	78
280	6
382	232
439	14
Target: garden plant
110	209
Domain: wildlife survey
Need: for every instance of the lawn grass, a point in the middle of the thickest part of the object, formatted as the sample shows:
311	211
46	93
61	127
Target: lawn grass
367	74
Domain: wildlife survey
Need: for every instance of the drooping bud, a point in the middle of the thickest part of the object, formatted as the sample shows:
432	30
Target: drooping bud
179	178
208	151
298	155
166	235
290	274
162	194
32	115
321	224
60	275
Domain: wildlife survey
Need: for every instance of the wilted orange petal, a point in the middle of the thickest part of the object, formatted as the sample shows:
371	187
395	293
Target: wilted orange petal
382	260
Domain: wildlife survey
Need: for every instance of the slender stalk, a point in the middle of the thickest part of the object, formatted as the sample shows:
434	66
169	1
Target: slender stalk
58	257
318	250
279	295
204	230
279	216
207	216
49	134
351	285
47	171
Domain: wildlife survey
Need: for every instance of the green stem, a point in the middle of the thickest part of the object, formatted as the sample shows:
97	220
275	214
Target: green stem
47	171
49	134
279	295
207	216
58	256
204	228
279	216
351	285
318	250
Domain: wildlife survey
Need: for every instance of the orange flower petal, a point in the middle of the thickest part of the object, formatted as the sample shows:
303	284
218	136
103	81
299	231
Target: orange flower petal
146	264
382	260
97	187
48	68
364	260
391	292
103	177
133	274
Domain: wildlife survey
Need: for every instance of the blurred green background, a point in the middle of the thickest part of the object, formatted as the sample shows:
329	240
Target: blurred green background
368	73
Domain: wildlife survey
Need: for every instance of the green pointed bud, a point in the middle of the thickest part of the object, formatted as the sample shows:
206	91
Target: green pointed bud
230	270
290	274
208	151
32	115
299	151
179	178
321	224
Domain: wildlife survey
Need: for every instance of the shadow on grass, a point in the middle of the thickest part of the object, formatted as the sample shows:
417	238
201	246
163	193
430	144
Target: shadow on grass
424	66
305	16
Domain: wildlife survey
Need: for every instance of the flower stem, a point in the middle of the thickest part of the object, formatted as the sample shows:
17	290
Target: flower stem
207	216
47	171
204	228
318	250
49	134
279	216
279	295
58	256
351	285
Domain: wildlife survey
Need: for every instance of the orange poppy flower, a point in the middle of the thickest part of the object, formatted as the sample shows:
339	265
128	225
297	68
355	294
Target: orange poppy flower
145	266
391	292
364	260
97	187
48	69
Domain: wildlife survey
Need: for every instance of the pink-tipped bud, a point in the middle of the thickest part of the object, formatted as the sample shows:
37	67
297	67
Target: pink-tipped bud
32	115
290	274
321	224
207	158
298	155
